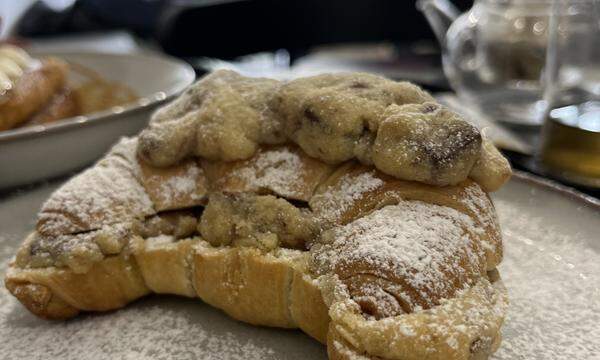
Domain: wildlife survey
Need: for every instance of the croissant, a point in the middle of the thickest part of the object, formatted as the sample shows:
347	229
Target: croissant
31	88
374	259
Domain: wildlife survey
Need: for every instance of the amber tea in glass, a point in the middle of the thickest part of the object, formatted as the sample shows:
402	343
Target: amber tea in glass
571	145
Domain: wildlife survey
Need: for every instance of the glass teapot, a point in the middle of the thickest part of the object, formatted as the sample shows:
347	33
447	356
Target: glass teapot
493	54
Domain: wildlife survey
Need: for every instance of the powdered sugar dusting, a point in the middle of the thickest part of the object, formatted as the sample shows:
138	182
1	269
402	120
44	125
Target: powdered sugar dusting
177	186
345	351
479	204
422	243
105	194
332	203
553	281
473	314
276	169
551	273
148	332
158	242
155	328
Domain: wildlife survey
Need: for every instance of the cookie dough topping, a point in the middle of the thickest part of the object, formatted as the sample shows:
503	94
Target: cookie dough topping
427	143
335	117
224	116
265	222
395	126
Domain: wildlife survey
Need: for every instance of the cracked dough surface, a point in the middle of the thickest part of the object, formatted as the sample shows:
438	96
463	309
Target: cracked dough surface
224	116
263	221
332	116
395	126
427	143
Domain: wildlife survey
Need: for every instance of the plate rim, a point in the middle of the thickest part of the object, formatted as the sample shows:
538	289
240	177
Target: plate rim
114	113
558	188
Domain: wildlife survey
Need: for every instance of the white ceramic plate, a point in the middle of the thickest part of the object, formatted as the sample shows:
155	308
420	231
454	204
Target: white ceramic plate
551	268
34	153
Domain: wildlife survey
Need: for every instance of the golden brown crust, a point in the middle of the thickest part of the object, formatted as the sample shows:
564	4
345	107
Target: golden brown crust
166	264
40	300
247	285
234	278
308	308
401	259
109	284
108	193
268	172
339	349
442	333
372	264
31	92
62	105
177	187
330	201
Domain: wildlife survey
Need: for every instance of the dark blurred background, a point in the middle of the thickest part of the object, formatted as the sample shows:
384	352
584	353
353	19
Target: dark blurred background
388	37
230	28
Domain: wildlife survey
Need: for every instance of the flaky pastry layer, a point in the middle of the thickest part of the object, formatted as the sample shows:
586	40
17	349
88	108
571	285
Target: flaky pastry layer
383	245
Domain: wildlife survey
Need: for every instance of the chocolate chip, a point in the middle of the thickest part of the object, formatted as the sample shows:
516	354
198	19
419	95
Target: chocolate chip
456	141
311	116
359	85
429	108
480	345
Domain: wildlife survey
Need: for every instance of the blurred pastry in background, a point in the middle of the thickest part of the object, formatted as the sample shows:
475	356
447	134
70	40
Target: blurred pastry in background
62	105
38	91
27	85
96	93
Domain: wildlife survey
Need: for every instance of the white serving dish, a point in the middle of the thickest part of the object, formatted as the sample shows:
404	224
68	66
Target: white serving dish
36	153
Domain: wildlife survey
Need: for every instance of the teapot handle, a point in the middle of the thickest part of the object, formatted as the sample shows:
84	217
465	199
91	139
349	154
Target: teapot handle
440	14
461	44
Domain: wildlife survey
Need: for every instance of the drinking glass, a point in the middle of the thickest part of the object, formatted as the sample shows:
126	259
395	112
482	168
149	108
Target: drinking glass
570	147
